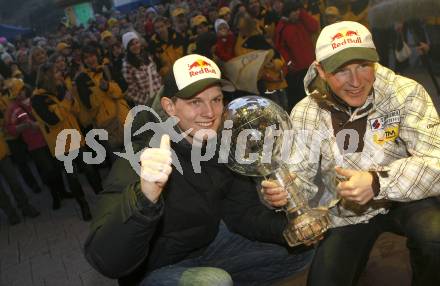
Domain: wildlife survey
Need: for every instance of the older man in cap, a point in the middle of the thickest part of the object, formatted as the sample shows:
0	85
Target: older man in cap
371	140
178	225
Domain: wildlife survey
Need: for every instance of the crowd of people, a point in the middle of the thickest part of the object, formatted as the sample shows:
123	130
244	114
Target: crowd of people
81	78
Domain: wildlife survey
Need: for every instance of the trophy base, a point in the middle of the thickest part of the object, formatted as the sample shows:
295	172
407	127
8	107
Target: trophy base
306	227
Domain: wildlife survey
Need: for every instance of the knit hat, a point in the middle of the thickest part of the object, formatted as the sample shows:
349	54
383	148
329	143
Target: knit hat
191	75
127	37
218	22
342	42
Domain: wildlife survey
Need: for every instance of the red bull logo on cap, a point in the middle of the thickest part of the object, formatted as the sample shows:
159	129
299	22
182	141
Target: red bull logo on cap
345	37
200	67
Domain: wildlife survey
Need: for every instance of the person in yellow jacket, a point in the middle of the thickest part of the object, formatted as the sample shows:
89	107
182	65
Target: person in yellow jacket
82	114
166	45
53	111
102	96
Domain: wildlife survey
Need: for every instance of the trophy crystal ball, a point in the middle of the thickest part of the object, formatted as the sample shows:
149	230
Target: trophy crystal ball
260	137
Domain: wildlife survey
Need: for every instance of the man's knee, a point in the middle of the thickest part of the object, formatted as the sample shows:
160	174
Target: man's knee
205	276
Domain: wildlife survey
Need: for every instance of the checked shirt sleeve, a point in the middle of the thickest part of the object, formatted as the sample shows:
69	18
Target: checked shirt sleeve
417	176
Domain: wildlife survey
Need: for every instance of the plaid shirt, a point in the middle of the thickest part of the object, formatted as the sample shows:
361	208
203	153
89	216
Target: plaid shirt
401	143
143	83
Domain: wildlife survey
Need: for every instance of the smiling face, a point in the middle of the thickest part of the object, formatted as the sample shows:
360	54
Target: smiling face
352	82
135	46
202	112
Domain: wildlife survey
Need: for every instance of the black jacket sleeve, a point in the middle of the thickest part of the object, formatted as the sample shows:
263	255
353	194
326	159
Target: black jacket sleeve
245	214
83	83
123	225
40	104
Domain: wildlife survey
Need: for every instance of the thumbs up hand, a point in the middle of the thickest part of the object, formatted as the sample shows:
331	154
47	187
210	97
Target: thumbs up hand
155	169
358	187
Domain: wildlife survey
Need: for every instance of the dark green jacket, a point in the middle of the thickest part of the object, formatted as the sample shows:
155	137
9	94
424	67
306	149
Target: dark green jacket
131	236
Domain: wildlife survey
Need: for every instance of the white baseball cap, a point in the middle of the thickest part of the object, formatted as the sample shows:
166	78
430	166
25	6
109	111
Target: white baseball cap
342	42
191	75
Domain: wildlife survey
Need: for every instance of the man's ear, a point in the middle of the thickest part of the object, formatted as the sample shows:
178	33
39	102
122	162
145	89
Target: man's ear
320	70
168	106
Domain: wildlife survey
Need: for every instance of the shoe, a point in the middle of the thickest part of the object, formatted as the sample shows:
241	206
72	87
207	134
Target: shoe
29	211
85	210
13	218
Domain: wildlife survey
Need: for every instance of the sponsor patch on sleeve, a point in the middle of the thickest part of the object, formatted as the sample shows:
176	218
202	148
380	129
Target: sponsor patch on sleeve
382	131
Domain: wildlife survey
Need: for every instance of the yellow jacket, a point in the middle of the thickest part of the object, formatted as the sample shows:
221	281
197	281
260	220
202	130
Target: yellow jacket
108	105
4	102
273	75
167	52
54	115
433	20
84	115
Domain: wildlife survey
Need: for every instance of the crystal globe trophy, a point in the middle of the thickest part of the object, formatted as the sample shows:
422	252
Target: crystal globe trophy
259	128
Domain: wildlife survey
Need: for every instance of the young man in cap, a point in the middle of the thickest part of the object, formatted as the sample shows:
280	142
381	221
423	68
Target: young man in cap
187	227
382	133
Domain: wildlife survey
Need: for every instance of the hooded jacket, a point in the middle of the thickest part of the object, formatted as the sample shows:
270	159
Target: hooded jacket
130	236
395	134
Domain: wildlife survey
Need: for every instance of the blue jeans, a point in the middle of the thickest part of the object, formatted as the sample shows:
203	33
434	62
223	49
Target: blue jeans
232	259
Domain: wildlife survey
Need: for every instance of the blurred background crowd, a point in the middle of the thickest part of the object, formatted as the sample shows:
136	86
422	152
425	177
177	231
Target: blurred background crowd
89	76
